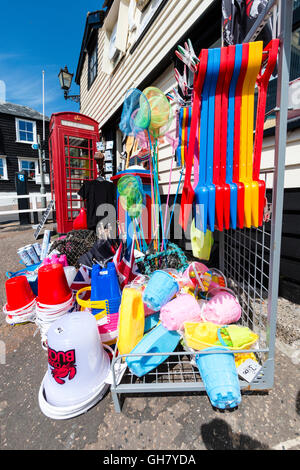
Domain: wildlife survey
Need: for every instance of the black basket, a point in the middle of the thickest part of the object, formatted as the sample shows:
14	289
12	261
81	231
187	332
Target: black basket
74	245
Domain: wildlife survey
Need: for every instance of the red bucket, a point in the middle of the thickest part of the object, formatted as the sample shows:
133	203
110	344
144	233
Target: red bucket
18	293
53	288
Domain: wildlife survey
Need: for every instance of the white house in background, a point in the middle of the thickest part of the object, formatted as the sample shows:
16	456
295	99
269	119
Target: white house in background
19	128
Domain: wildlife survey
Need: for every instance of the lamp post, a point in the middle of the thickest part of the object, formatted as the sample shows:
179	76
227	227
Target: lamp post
65	79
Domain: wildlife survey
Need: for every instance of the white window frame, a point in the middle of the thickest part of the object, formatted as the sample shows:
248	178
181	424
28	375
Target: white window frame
5	176
117	17
18	132
36	163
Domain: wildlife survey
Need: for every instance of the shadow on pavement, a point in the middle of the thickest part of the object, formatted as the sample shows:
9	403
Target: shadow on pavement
218	435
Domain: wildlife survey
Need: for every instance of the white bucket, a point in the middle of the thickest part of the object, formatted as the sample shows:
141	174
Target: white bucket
77	362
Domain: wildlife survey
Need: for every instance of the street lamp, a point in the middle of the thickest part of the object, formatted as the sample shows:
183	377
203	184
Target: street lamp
65	79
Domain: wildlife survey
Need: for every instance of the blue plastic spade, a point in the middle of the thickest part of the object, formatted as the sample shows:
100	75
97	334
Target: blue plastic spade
201	191
210	138
230	137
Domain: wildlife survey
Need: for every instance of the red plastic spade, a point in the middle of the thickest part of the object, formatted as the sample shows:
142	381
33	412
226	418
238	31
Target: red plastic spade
217	140
237	133
262	84
223	149
187	190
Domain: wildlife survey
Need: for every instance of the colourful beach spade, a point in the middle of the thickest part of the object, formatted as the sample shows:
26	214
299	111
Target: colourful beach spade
259	186
219	127
226	190
247	123
187	190
201	192
231	220
210	139
237	133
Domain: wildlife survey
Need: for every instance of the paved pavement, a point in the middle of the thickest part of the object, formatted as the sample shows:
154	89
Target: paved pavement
174	422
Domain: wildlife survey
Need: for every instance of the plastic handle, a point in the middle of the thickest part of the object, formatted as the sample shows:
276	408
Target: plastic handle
262	83
96	304
201	85
187	191
211	115
230	119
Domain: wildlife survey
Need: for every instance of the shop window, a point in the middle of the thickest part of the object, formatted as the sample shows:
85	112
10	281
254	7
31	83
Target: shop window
25	131
30	167
93	64
3	169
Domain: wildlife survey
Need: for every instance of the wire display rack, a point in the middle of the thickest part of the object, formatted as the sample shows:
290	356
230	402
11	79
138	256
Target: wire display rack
250	260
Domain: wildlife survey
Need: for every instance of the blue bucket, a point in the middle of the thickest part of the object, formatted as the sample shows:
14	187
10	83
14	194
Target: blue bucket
160	289
220	377
105	286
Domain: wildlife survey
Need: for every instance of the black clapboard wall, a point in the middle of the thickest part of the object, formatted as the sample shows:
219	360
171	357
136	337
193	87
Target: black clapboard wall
289	286
289	283
12	150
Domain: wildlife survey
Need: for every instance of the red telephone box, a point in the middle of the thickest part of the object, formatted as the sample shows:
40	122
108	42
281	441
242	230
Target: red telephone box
72	145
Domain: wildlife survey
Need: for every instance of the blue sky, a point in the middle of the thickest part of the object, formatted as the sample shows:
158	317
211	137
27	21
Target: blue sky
36	36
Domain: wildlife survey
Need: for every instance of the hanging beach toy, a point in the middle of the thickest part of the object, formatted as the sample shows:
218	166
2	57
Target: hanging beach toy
136	114
161	119
161	112
131	193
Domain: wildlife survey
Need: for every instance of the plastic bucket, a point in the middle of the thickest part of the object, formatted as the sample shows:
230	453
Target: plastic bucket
183	308
105	286
219	375
77	362
160	289
223	307
53	288
18	293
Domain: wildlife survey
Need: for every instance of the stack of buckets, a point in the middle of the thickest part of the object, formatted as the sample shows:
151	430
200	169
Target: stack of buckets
20	301
78	367
55	298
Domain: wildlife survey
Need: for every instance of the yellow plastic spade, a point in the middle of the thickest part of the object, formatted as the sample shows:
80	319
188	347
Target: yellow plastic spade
131	320
247	125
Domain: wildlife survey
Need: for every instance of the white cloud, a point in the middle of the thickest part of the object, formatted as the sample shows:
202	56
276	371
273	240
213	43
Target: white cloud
26	88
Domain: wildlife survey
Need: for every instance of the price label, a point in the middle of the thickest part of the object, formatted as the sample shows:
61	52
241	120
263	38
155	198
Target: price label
248	370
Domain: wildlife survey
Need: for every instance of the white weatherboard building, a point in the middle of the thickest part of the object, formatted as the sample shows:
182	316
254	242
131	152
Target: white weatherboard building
132	44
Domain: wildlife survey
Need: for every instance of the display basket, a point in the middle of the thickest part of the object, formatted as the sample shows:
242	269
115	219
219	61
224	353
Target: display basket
173	257
75	244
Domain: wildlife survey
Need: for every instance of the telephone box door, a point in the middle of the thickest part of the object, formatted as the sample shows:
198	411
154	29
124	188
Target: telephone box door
72	163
